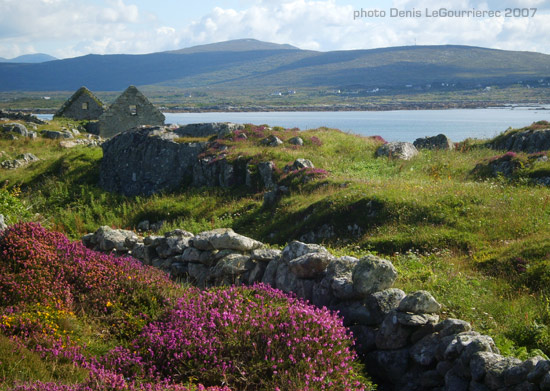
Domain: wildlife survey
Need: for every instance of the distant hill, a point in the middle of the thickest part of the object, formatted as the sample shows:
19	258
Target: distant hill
236	45
252	64
30	58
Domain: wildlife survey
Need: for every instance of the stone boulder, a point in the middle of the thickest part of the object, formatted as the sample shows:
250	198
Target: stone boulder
266	170
296	249
435	142
373	274
397	150
300	164
296	141
3	224
265	254
146	160
224	239
340	277
173	243
15	128
109	239
311	265
419	302
55	135
271	141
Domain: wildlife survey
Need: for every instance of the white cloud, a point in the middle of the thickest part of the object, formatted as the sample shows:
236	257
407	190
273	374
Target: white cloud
77	27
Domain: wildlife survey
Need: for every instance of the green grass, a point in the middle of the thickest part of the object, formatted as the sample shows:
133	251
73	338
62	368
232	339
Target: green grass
480	244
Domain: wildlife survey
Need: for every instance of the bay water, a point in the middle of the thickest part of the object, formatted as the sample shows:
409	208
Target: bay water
399	125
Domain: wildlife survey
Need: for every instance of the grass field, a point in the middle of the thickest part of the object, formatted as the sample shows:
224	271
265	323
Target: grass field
480	244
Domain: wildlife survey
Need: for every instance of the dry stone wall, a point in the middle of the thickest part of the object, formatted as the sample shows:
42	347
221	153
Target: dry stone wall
400	336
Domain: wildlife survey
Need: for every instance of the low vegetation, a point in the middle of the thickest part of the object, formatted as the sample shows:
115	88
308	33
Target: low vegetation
478	241
73	318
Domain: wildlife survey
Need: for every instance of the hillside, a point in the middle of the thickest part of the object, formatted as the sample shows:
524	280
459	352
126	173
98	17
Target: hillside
250	64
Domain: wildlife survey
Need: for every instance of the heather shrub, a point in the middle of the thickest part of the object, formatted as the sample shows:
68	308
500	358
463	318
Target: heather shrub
40	266
56	296
250	338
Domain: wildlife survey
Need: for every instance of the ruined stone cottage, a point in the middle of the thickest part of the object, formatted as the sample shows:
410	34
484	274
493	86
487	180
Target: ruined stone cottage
82	105
131	109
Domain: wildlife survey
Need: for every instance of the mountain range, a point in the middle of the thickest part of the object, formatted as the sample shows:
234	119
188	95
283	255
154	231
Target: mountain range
252	64
30	58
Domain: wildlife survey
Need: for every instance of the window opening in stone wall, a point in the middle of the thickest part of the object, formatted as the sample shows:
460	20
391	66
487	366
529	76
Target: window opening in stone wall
85	106
133	109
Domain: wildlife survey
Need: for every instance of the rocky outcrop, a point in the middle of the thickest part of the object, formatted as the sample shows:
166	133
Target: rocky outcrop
300	164
535	138
397	150
55	134
436	142
399	335
19	116
91	141
151	159
20	161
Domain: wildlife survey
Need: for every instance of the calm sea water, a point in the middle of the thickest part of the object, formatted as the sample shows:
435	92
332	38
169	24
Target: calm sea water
401	125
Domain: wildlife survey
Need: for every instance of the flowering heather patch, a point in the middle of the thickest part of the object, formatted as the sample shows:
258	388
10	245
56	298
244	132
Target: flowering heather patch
507	156
316	141
251	338
379	139
44	267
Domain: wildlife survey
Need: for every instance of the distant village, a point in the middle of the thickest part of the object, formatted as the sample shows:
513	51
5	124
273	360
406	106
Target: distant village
131	109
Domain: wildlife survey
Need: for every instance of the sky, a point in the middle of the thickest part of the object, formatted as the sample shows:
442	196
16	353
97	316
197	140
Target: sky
71	28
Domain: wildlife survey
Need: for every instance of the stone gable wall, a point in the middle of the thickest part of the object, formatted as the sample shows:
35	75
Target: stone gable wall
73	107
120	116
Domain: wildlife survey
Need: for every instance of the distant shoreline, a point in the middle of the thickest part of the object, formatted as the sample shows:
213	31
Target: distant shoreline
326	108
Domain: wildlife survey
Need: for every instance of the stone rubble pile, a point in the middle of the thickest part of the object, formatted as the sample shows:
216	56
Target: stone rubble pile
400	336
19	116
20	161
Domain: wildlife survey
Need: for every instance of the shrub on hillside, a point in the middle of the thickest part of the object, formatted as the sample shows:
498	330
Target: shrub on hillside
40	266
253	338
